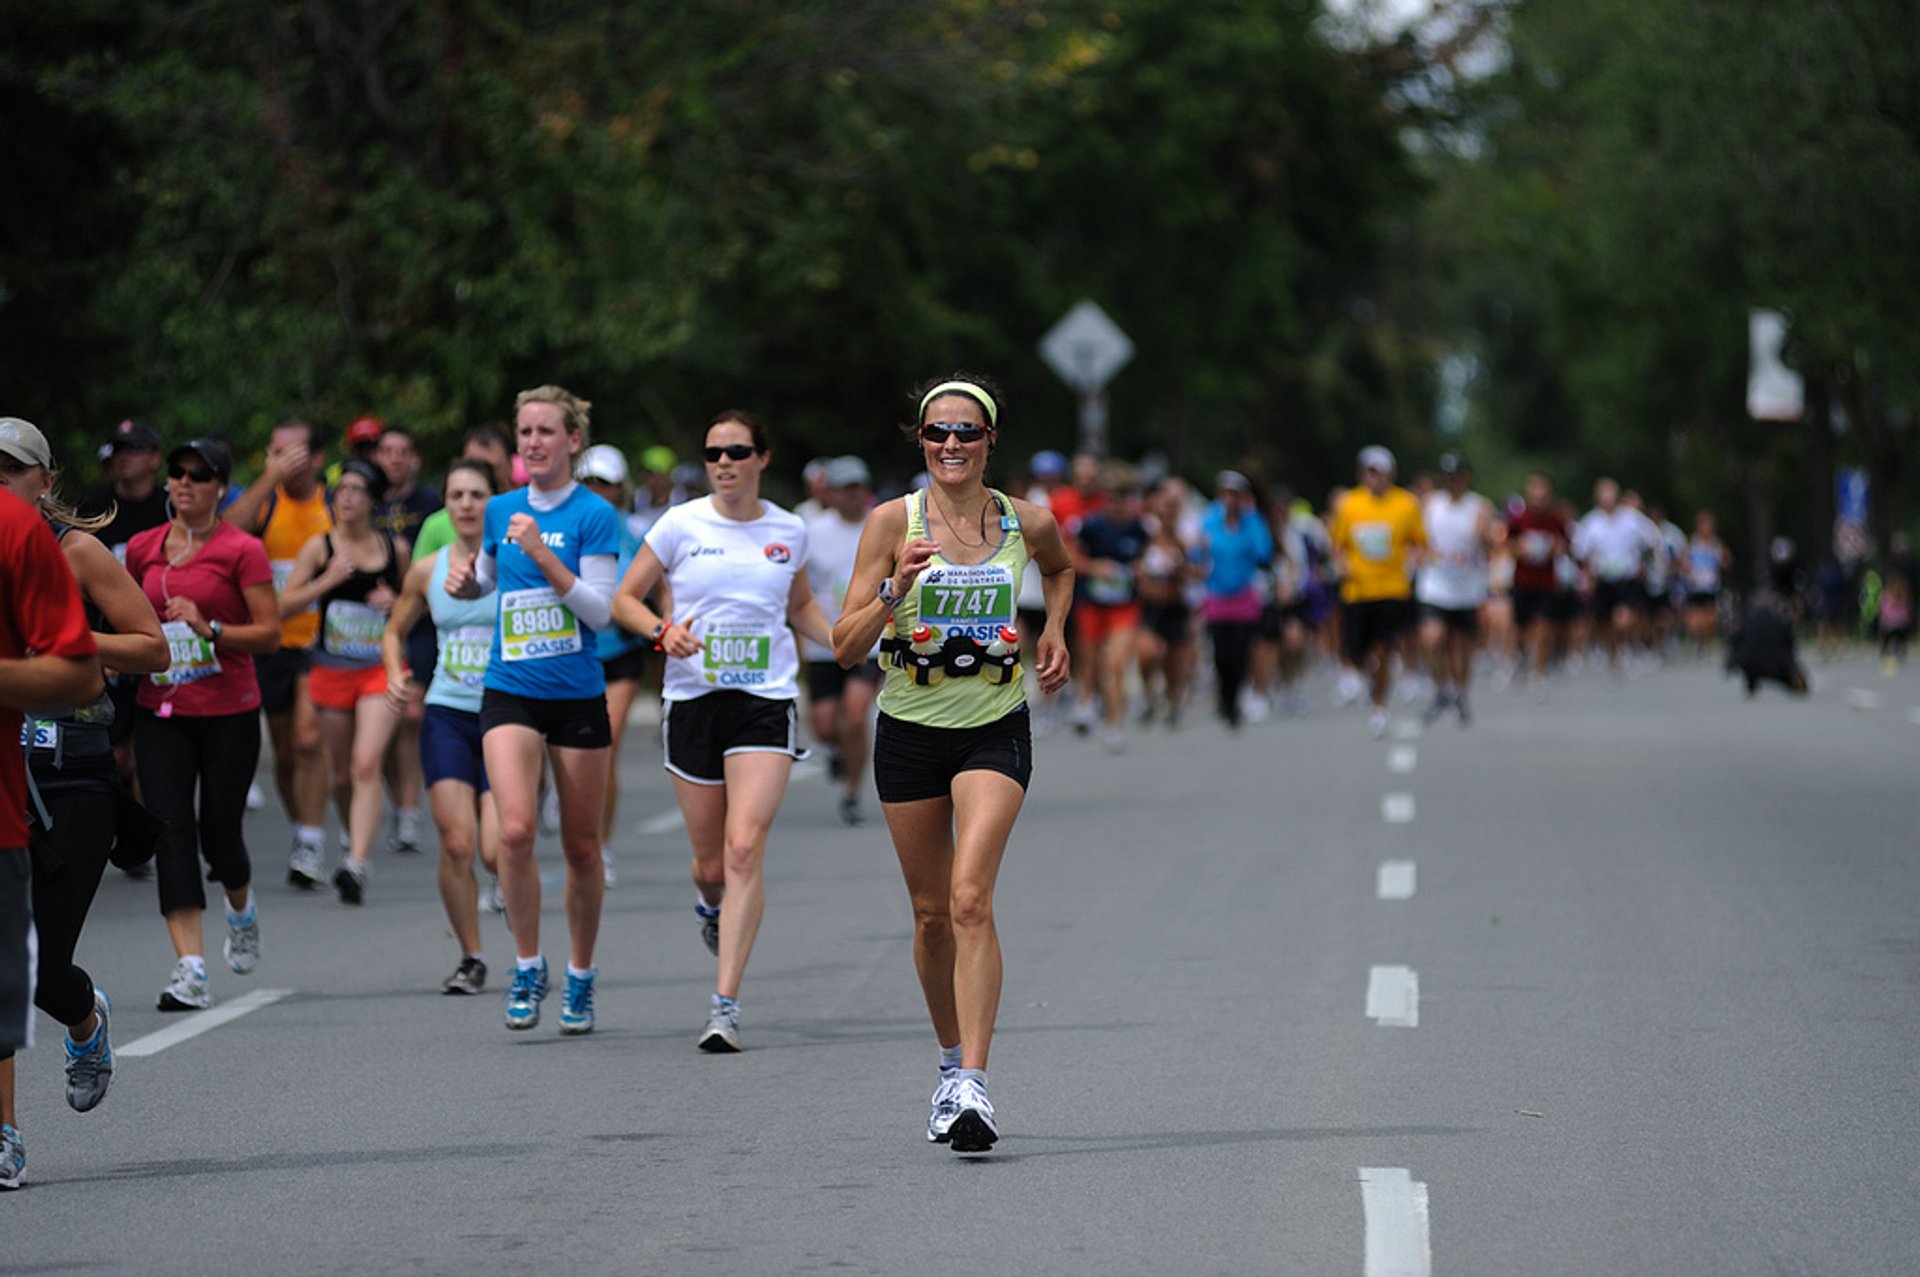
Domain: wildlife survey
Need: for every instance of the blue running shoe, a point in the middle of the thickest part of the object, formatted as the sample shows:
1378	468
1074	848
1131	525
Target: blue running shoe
577	1015
525	994
90	1064
13	1158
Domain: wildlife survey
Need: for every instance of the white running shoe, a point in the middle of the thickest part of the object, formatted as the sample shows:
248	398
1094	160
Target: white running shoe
255	799
972	1129
307	865
607	875
492	900
722	1034
243	944
186	989
550	810
940	1120
1377	723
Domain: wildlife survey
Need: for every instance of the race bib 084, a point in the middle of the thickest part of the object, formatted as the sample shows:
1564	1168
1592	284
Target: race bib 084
192	657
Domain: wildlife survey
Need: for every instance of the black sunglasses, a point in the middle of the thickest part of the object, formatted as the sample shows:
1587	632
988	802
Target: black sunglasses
199	474
940	432
732	452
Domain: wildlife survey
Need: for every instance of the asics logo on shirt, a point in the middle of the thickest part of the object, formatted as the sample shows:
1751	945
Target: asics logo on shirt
700	551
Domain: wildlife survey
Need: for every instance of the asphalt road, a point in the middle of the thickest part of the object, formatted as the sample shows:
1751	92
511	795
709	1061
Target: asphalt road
1640	1001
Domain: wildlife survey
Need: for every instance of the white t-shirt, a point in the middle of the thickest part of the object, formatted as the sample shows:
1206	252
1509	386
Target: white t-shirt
1615	545
1454	575
831	546
732	580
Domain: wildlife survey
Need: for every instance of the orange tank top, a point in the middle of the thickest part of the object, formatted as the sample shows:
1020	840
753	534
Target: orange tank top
290	524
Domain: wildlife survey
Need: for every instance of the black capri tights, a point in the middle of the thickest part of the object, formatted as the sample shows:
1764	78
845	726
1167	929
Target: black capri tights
67	863
217	755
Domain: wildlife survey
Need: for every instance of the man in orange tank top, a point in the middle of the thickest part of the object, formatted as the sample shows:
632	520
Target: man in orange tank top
285	506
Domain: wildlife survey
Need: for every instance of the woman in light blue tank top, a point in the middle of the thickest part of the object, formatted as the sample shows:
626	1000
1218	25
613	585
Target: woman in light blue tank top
450	755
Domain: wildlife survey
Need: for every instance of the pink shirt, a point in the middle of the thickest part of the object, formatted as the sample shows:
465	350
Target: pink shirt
215	578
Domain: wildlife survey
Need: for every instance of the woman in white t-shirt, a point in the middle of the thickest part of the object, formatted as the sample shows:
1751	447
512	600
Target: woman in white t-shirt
734	567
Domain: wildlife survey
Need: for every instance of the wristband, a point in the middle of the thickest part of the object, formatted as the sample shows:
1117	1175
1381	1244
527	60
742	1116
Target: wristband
658	631
887	596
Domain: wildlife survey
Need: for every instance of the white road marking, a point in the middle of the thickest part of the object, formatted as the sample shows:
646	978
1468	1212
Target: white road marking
665	823
1393	997
1397	809
1406	729
1394	1205
201	1021
1401	759
1396	880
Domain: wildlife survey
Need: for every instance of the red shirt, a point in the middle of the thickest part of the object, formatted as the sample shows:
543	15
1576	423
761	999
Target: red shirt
40	615
222	568
1536	536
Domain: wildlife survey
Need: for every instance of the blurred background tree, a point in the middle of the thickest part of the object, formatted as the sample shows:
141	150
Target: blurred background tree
1530	229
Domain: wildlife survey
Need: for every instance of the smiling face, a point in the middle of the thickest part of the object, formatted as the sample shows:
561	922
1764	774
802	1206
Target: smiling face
953	463
547	447
730	476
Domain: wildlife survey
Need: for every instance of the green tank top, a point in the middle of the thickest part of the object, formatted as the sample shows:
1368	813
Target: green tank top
974	599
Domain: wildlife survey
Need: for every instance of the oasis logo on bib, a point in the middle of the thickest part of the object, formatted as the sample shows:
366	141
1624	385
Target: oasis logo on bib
777	553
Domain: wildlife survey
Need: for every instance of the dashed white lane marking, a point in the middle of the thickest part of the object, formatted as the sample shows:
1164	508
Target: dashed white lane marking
1394	1205
1401	759
1393	997
665	823
1397	809
1406	729
200	1022
1396	881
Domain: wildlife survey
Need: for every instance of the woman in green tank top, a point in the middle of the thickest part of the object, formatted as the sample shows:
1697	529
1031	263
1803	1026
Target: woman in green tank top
934	581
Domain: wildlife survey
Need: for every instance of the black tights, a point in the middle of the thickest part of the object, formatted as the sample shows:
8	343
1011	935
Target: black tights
1232	644
217	755
68	861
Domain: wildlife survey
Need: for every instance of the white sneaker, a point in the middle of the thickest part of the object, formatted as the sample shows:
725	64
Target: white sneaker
972	1129
186	989
243	944
1255	707
606	867
550	810
940	1120
722	1034
492	900
307	865
255	799
1377	723
1348	687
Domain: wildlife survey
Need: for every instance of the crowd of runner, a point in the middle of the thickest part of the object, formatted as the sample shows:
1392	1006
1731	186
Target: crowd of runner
477	649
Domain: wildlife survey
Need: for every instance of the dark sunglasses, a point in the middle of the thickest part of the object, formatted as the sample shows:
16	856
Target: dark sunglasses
198	474
732	452
940	432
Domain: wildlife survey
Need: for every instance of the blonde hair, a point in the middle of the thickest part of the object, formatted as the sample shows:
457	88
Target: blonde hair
54	509
572	407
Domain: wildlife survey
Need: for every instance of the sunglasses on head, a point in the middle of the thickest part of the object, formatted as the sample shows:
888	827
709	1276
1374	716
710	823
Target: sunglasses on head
198	474
732	452
941	431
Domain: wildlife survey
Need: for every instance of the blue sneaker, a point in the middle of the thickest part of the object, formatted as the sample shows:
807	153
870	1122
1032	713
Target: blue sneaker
13	1158
524	996
577	1015
90	1064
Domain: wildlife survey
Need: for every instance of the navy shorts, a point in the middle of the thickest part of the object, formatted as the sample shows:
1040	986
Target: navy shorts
450	748
700	733
826	681
912	762
574	722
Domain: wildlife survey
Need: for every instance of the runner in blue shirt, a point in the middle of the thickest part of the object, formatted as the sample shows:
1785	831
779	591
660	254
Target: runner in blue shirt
550	551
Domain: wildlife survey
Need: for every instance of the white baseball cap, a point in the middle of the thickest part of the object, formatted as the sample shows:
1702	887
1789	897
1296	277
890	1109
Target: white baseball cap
603	462
1377	458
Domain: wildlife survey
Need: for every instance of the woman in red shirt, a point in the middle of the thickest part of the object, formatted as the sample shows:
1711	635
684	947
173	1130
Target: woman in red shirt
199	721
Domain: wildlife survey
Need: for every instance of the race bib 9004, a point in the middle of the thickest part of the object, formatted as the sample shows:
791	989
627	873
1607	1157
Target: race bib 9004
736	655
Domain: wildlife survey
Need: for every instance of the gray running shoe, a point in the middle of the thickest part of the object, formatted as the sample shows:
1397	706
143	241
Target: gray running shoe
90	1066
722	1034
13	1158
306	865
243	944
709	927
186	989
469	977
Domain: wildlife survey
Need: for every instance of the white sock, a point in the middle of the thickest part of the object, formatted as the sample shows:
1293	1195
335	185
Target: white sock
975	1075
196	964
314	836
244	916
950	1059
578	974
530	964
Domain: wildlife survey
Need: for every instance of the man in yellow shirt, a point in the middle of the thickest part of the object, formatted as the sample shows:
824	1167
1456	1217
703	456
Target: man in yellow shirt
1378	534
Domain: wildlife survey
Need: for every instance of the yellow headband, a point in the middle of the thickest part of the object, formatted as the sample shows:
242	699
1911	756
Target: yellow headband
968	389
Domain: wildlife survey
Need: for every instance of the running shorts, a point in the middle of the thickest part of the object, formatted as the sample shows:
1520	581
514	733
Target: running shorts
1094	622
826	680
912	762
1169	620
1458	620
630	665
699	734
450	747
1609	596
330	688
1533	605
1373	623
279	673
573	722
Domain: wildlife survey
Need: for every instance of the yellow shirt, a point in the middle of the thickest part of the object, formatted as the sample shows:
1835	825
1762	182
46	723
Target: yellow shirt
1373	534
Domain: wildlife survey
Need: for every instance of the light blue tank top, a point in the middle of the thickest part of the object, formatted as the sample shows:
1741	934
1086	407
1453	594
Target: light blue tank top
465	628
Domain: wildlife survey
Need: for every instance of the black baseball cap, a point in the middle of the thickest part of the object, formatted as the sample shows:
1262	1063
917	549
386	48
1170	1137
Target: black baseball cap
1454	463
211	451
136	433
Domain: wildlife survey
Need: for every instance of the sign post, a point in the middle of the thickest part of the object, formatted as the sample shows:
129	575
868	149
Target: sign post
1086	348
